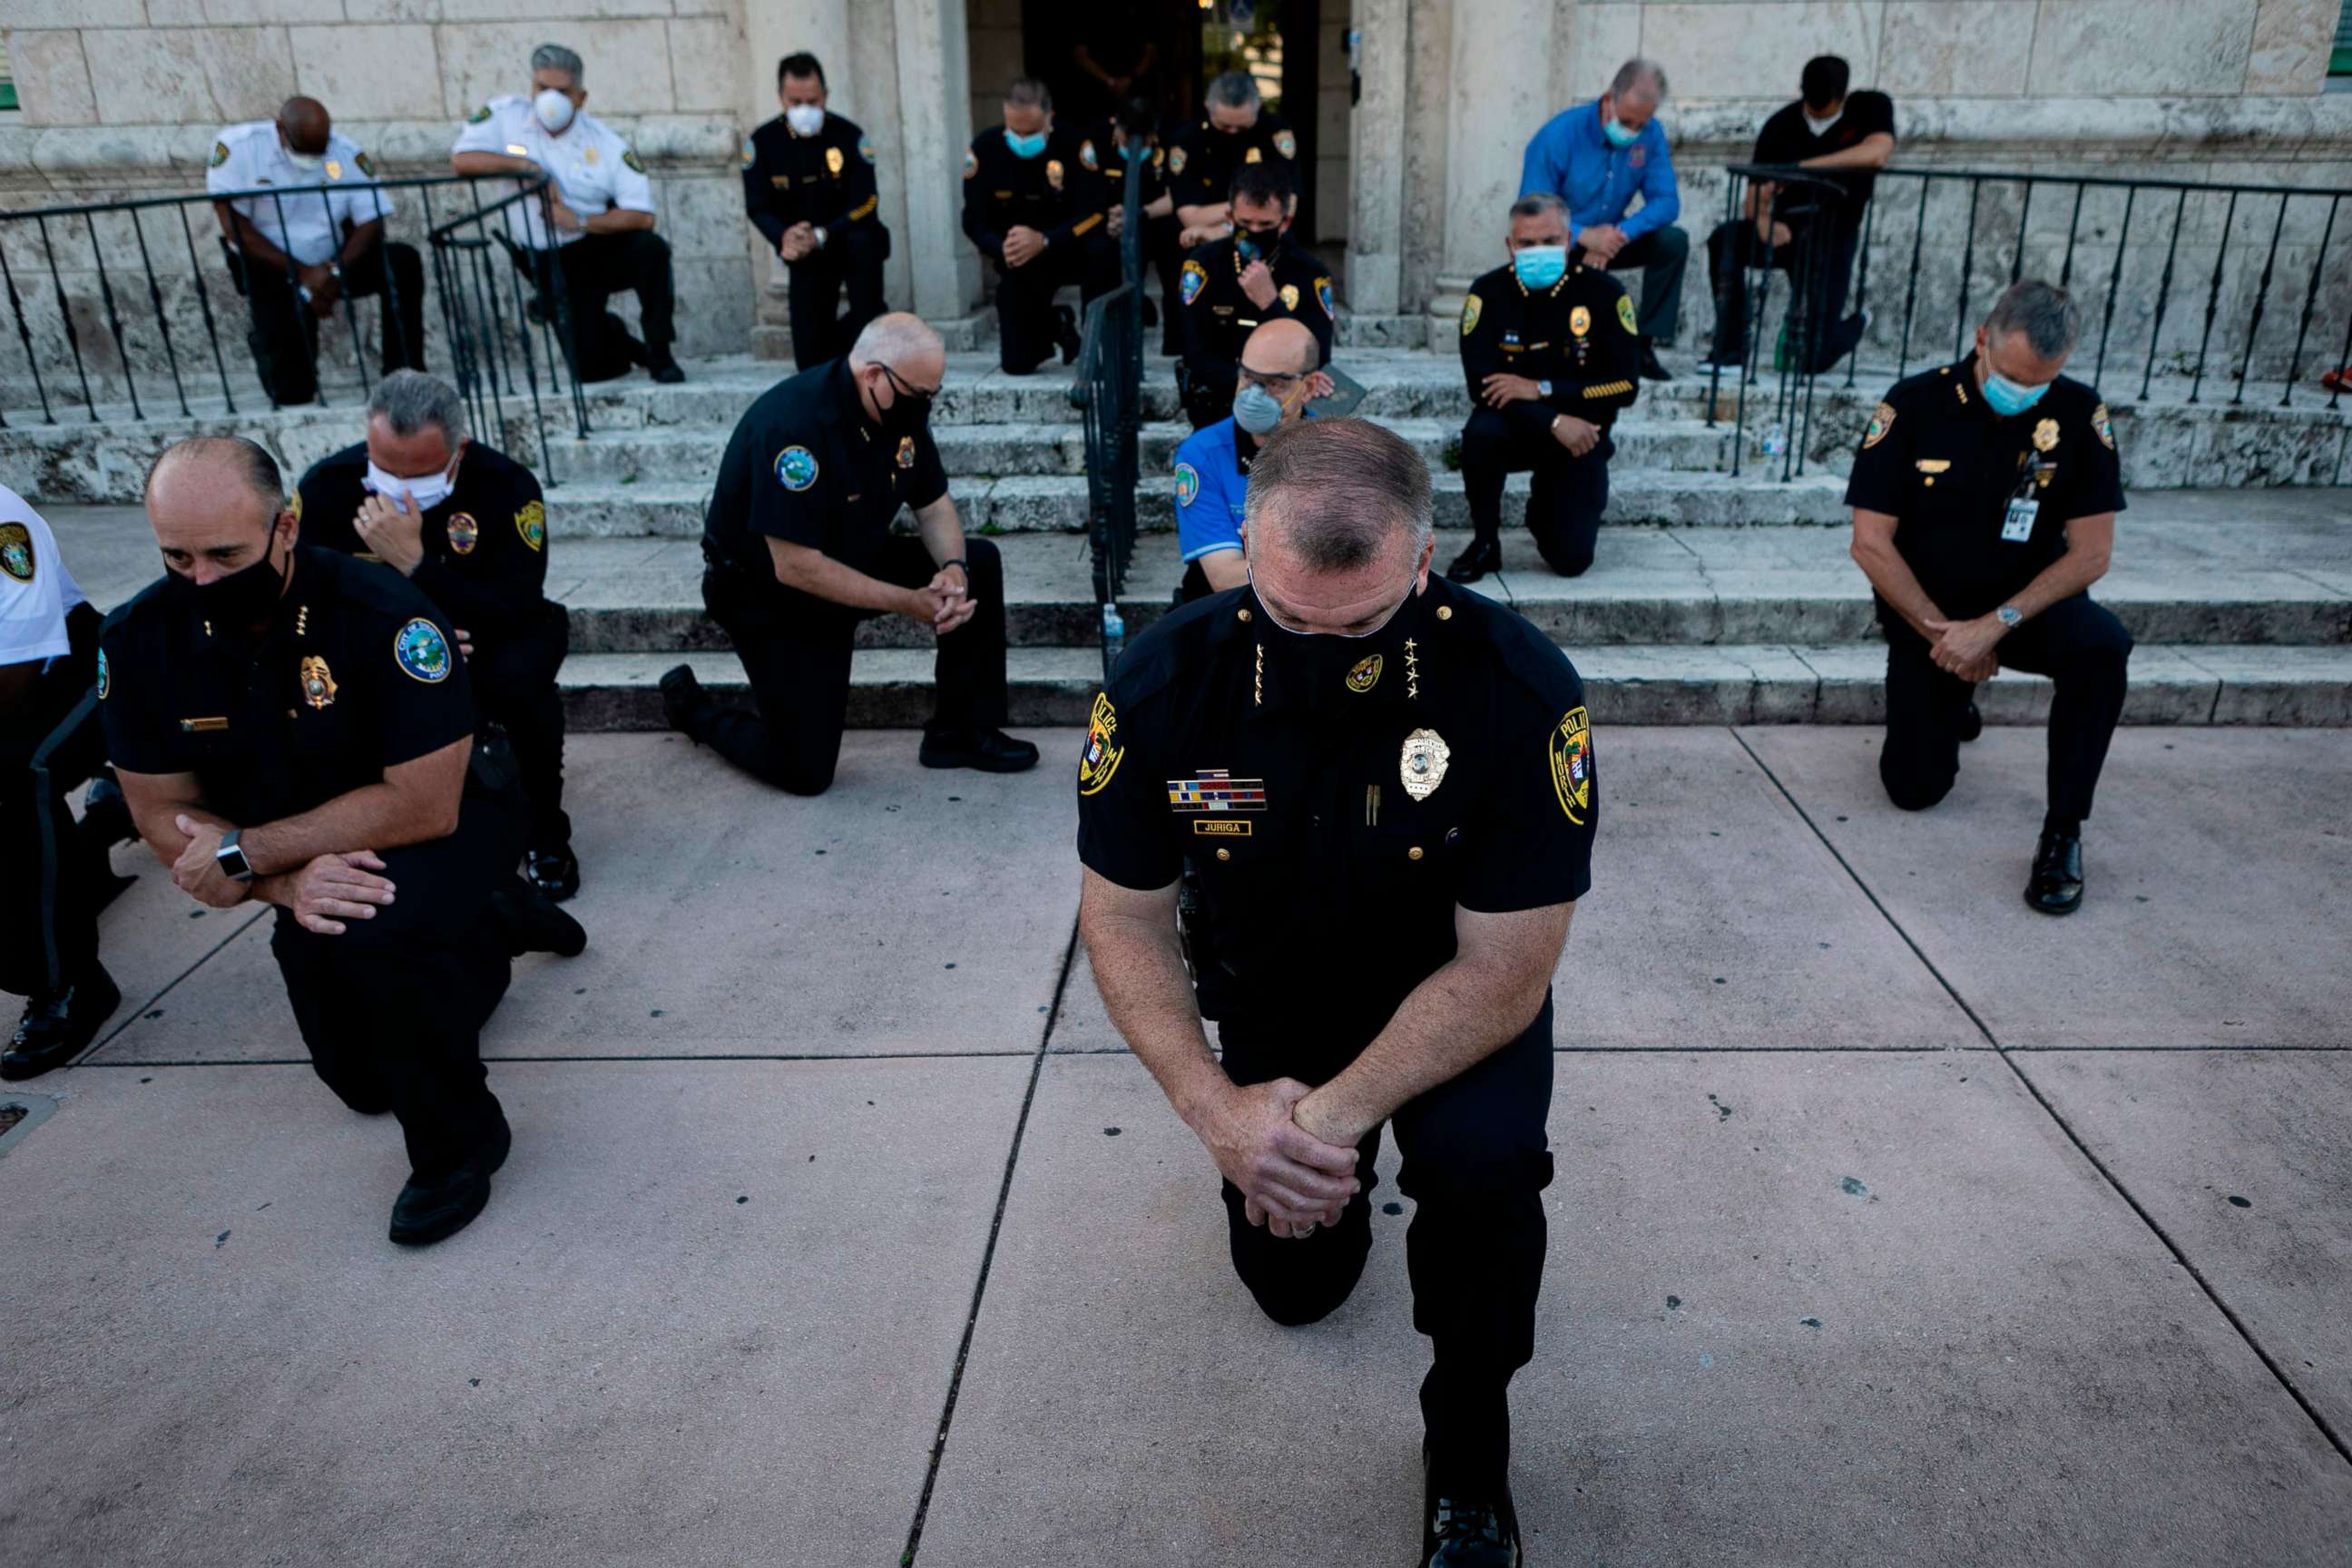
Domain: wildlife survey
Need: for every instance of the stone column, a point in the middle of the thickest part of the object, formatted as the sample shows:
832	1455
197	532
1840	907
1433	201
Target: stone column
1499	91
1376	158
934	129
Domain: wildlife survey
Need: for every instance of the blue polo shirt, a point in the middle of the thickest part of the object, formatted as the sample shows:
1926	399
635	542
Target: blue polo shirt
1209	491
1571	159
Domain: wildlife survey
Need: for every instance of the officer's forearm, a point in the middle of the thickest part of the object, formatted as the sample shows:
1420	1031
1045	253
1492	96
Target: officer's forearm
1159	205
488	164
2090	543
255	247
617	220
768	222
1139	967
1210	214
1873	151
942	530
416	803
812	571
1893	578
364	237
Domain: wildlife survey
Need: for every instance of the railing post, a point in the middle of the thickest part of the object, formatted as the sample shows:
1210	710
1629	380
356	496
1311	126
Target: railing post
113	315
163	321
2213	296
2115	283
2073	227
1968	267
65	315
2163	294
2262	297
205	300
33	359
1862	284
1911	287
2310	302
2024	217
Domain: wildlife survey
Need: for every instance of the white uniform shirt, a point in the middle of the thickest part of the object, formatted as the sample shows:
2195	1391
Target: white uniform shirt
251	155
594	169
36	589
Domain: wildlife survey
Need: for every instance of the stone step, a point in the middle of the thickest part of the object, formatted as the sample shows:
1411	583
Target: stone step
1634	684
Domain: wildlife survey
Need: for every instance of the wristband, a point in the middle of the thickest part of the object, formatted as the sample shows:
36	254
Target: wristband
957	561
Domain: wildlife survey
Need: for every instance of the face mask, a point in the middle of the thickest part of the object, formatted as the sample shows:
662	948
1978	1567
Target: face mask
308	163
1617	135
243	598
1256	410
554	109
1256	246
805	119
2007	398
1540	265
1025	146
908	411
1818	126
1314	668
428	490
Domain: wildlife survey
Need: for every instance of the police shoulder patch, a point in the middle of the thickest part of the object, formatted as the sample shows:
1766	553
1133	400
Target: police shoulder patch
421	651
635	163
866	148
367	164
970	163
220	155
1469	314
531	524
1188	484
1571	763
105	676
1100	759
1323	295
2104	425
1176	160
1195	278
1285	143
750	153
479	116
1087	154
1881	422
16	557
1625	315
796	467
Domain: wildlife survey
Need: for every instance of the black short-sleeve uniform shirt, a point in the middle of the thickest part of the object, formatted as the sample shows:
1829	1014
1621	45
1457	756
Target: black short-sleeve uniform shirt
1219	316
1052	192
1099	158
358	673
825	180
1787	139
1330	888
1580	335
1200	165
1937	457
484	564
807	467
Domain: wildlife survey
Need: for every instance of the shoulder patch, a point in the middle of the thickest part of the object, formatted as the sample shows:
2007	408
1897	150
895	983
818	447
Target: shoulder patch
866	148
970	162
531	524
1188	484
1625	315
1881	422
1087	154
220	155
1571	763
1195	278
480	116
105	676
629	156
1099	761
1469	314
1286	144
421	651
2104	425
1176	159
367	164
796	467
750	153
16	557
1323	293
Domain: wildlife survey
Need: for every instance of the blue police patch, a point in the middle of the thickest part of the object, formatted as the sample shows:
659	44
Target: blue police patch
105	680
1188	484
796	467
750	153
421	651
1323	296
866	148
1196	278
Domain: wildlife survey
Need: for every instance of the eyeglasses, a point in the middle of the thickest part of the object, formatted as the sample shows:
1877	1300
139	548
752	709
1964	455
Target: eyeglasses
906	388
1277	383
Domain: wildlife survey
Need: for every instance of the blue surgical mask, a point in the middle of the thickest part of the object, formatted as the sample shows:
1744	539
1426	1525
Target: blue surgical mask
1256	410
1025	146
2008	397
1540	265
1617	135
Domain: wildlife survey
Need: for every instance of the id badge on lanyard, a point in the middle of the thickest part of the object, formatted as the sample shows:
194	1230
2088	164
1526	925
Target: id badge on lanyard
2017	523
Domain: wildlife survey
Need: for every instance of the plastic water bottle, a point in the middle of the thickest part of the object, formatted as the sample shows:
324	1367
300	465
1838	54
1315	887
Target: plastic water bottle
1114	635
1776	442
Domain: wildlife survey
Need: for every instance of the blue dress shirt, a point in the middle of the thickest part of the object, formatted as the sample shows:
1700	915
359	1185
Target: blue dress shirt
1571	159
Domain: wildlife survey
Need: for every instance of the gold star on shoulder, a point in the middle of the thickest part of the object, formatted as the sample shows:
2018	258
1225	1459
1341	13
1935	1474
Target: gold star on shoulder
1412	671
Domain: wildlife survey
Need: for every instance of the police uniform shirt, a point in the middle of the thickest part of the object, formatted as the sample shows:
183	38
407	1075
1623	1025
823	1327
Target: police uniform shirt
357	674
1937	457
1580	335
1219	316
252	155
485	564
594	169
1787	139
825	180
1200	165
806	466
35	590
1212	485
1334	831
1099	156
1051	193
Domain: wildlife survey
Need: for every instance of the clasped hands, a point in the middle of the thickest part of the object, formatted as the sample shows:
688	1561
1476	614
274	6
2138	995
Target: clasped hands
799	241
1965	648
1023	245
322	893
1295	1171
945	603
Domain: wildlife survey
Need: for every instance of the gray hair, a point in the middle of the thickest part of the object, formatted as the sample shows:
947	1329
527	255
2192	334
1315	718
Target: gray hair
2045	312
409	400
893	340
1344	489
246	459
1638	72
1537	204
1234	89
556	57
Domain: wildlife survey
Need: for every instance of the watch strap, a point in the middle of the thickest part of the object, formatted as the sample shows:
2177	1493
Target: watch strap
231	856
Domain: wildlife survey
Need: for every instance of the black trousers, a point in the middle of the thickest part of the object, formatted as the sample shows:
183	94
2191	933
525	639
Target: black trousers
1204	403
393	1009
2080	645
514	685
1164	256
814	285
1475	1164
1565	498
285	335
1664	256
591	270
796	648
1024	296
50	895
1818	260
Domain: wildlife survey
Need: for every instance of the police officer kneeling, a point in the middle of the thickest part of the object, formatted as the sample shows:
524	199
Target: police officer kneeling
800	550
1984	504
1034	212
1553	356
293	726
1228	289
1385	786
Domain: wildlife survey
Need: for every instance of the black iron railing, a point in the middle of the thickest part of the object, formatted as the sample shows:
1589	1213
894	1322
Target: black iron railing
471	252
1109	394
2193	283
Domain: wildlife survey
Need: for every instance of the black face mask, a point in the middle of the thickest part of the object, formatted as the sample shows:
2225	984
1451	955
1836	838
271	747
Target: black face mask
1319	671
910	411
1253	244
241	599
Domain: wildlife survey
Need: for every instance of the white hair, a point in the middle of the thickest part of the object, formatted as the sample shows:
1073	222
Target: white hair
893	340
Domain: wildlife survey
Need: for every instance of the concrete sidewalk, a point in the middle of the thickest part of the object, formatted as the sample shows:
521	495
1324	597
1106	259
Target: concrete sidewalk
1893	1224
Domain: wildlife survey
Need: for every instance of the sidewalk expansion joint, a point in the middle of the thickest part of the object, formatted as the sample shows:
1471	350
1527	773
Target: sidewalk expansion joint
141	1011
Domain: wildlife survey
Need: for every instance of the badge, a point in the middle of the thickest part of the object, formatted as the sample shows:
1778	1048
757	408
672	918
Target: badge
797	467
1469	314
1323	295
1054	173
105	676
421	651
1366	675
2045	435
1422	766
1188	484
220	152
479	116
1881	422
1253	156
1176	160
970	163
531	524
1100	759
588	155
1638	157
1215	790
629	156
16	557
318	682
866	148
464	532
1571	763
2104	425
1289	296
906	451
833	160
1087	155
334	168
1285	143
750	153
1580	322
1196	278
2017	522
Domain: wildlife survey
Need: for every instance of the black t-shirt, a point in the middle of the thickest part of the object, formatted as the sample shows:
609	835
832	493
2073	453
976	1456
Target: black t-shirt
1787	139
1328	890
1219	316
1200	165
807	467
825	180
1580	335
485	564
1939	459
357	673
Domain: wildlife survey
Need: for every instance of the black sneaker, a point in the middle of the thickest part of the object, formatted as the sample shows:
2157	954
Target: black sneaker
1651	369
681	696
990	751
1483	556
2056	885
57	1027
428	1212
1971	724
530	922
1066	333
554	872
1465	1533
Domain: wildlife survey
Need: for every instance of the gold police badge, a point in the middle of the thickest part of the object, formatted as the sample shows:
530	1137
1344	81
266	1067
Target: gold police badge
318	682
906	451
2045	435
1422	766
833	160
1580	322
1291	296
1054	173
464	532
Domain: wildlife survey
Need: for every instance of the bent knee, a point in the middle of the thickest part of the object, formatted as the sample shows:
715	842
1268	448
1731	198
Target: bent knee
1910	792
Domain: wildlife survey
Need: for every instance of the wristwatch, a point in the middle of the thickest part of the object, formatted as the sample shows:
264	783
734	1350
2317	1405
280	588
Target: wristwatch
1543	389
230	857
2009	616
819	235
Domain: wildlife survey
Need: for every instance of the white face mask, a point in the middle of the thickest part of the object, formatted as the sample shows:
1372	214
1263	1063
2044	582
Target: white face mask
805	119
1818	126
308	162
554	109
428	490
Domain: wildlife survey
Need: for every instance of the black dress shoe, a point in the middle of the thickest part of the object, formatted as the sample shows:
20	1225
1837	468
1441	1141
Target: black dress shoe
681	696
664	368
1971	723
1651	369
554	872
2056	888
990	751
428	1212
1483	555
1066	333
106	816
58	1025
530	922
1457	1532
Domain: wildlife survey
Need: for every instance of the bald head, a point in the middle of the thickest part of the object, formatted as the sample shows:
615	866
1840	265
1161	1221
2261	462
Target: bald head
306	123
1282	347
217	504
898	357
